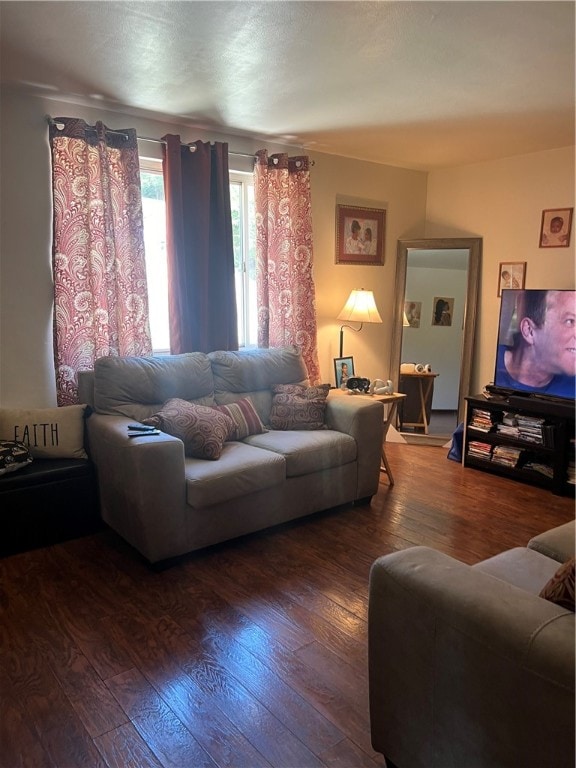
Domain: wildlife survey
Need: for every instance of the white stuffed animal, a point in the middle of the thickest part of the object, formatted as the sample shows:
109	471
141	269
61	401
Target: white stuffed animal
380	387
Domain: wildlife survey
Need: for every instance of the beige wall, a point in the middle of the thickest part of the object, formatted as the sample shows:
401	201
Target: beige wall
502	202
402	193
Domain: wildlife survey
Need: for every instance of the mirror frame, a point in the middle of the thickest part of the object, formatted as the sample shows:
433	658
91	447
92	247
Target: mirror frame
474	246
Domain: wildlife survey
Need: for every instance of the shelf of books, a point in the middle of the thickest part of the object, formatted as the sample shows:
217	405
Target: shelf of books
525	446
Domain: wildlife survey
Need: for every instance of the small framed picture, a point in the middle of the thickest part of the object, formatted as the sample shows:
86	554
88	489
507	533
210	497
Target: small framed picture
556	227
412	311
343	369
442	311
511	274
360	235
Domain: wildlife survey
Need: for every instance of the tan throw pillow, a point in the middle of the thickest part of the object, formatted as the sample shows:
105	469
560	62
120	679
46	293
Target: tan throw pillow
295	406
202	429
560	588
245	419
48	433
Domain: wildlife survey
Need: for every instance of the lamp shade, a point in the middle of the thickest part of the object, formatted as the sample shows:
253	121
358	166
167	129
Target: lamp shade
405	321
360	308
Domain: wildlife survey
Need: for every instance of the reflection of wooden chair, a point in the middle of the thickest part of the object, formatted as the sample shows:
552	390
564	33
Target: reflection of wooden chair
414	410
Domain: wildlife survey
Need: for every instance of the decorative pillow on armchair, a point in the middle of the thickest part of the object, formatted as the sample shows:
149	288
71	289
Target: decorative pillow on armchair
202	429
560	588
295	406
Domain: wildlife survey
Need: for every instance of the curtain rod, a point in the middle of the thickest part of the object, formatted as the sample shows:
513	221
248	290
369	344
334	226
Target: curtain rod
51	121
192	149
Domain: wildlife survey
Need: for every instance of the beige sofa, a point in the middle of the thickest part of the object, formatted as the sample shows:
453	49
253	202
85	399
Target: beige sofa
468	667
166	504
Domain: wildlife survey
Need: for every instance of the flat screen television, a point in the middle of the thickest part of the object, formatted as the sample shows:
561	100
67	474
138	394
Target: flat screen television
536	353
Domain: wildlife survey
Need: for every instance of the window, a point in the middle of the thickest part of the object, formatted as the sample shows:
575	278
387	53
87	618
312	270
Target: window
244	240
154	213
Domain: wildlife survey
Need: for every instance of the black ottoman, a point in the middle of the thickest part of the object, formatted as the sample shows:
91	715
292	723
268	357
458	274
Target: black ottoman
49	501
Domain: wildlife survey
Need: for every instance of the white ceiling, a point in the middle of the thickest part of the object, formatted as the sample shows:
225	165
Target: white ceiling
416	84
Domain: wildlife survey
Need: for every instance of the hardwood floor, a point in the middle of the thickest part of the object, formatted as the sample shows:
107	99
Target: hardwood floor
250	654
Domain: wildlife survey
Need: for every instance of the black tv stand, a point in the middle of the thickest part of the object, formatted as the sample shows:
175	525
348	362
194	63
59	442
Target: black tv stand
547	462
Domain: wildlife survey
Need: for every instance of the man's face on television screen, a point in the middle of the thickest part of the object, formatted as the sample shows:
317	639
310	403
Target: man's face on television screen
555	340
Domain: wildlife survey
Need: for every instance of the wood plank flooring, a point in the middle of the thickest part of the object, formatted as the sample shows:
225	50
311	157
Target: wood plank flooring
250	654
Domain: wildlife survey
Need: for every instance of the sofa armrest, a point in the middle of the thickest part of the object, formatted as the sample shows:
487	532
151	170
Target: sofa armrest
139	479
362	419
466	669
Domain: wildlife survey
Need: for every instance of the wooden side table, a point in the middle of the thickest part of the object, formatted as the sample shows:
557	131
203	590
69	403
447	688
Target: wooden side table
425	381
391	401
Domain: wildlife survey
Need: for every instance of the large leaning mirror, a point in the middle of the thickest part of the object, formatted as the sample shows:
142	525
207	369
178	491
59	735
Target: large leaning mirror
434	318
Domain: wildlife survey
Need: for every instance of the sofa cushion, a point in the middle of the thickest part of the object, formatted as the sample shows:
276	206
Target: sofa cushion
560	588
202	429
13	456
137	387
253	372
522	567
557	543
298	407
308	451
48	433
241	469
245	418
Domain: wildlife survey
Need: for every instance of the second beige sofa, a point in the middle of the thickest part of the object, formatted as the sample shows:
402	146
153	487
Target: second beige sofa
469	667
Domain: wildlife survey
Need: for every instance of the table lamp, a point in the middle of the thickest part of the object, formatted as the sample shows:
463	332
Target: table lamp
360	308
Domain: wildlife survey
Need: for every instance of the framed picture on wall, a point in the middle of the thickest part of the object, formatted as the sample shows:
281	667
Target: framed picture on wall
343	369
360	235
511	274
556	227
412	312
442	311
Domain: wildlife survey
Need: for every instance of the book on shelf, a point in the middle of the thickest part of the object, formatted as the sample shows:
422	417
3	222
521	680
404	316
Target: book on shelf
532	431
506	455
481	420
479	450
538	466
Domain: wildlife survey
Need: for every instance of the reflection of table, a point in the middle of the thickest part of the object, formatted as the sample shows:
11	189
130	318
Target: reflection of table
387	400
425	382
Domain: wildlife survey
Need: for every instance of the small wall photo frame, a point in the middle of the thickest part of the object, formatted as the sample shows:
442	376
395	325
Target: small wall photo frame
360	235
556	227
442	311
511	274
412	312
343	369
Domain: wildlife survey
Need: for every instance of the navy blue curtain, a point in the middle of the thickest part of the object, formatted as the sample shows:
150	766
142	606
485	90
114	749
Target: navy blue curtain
200	252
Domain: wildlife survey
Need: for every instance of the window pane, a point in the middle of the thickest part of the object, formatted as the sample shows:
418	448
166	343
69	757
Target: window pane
244	240
154	212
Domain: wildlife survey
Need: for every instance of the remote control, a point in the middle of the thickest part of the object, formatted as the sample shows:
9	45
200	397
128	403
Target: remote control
146	433
140	427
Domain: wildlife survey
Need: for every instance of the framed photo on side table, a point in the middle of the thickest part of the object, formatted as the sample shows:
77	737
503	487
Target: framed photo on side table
360	235
556	227
511	274
343	369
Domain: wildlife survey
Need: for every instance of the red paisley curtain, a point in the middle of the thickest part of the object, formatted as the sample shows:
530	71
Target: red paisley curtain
100	293
285	286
